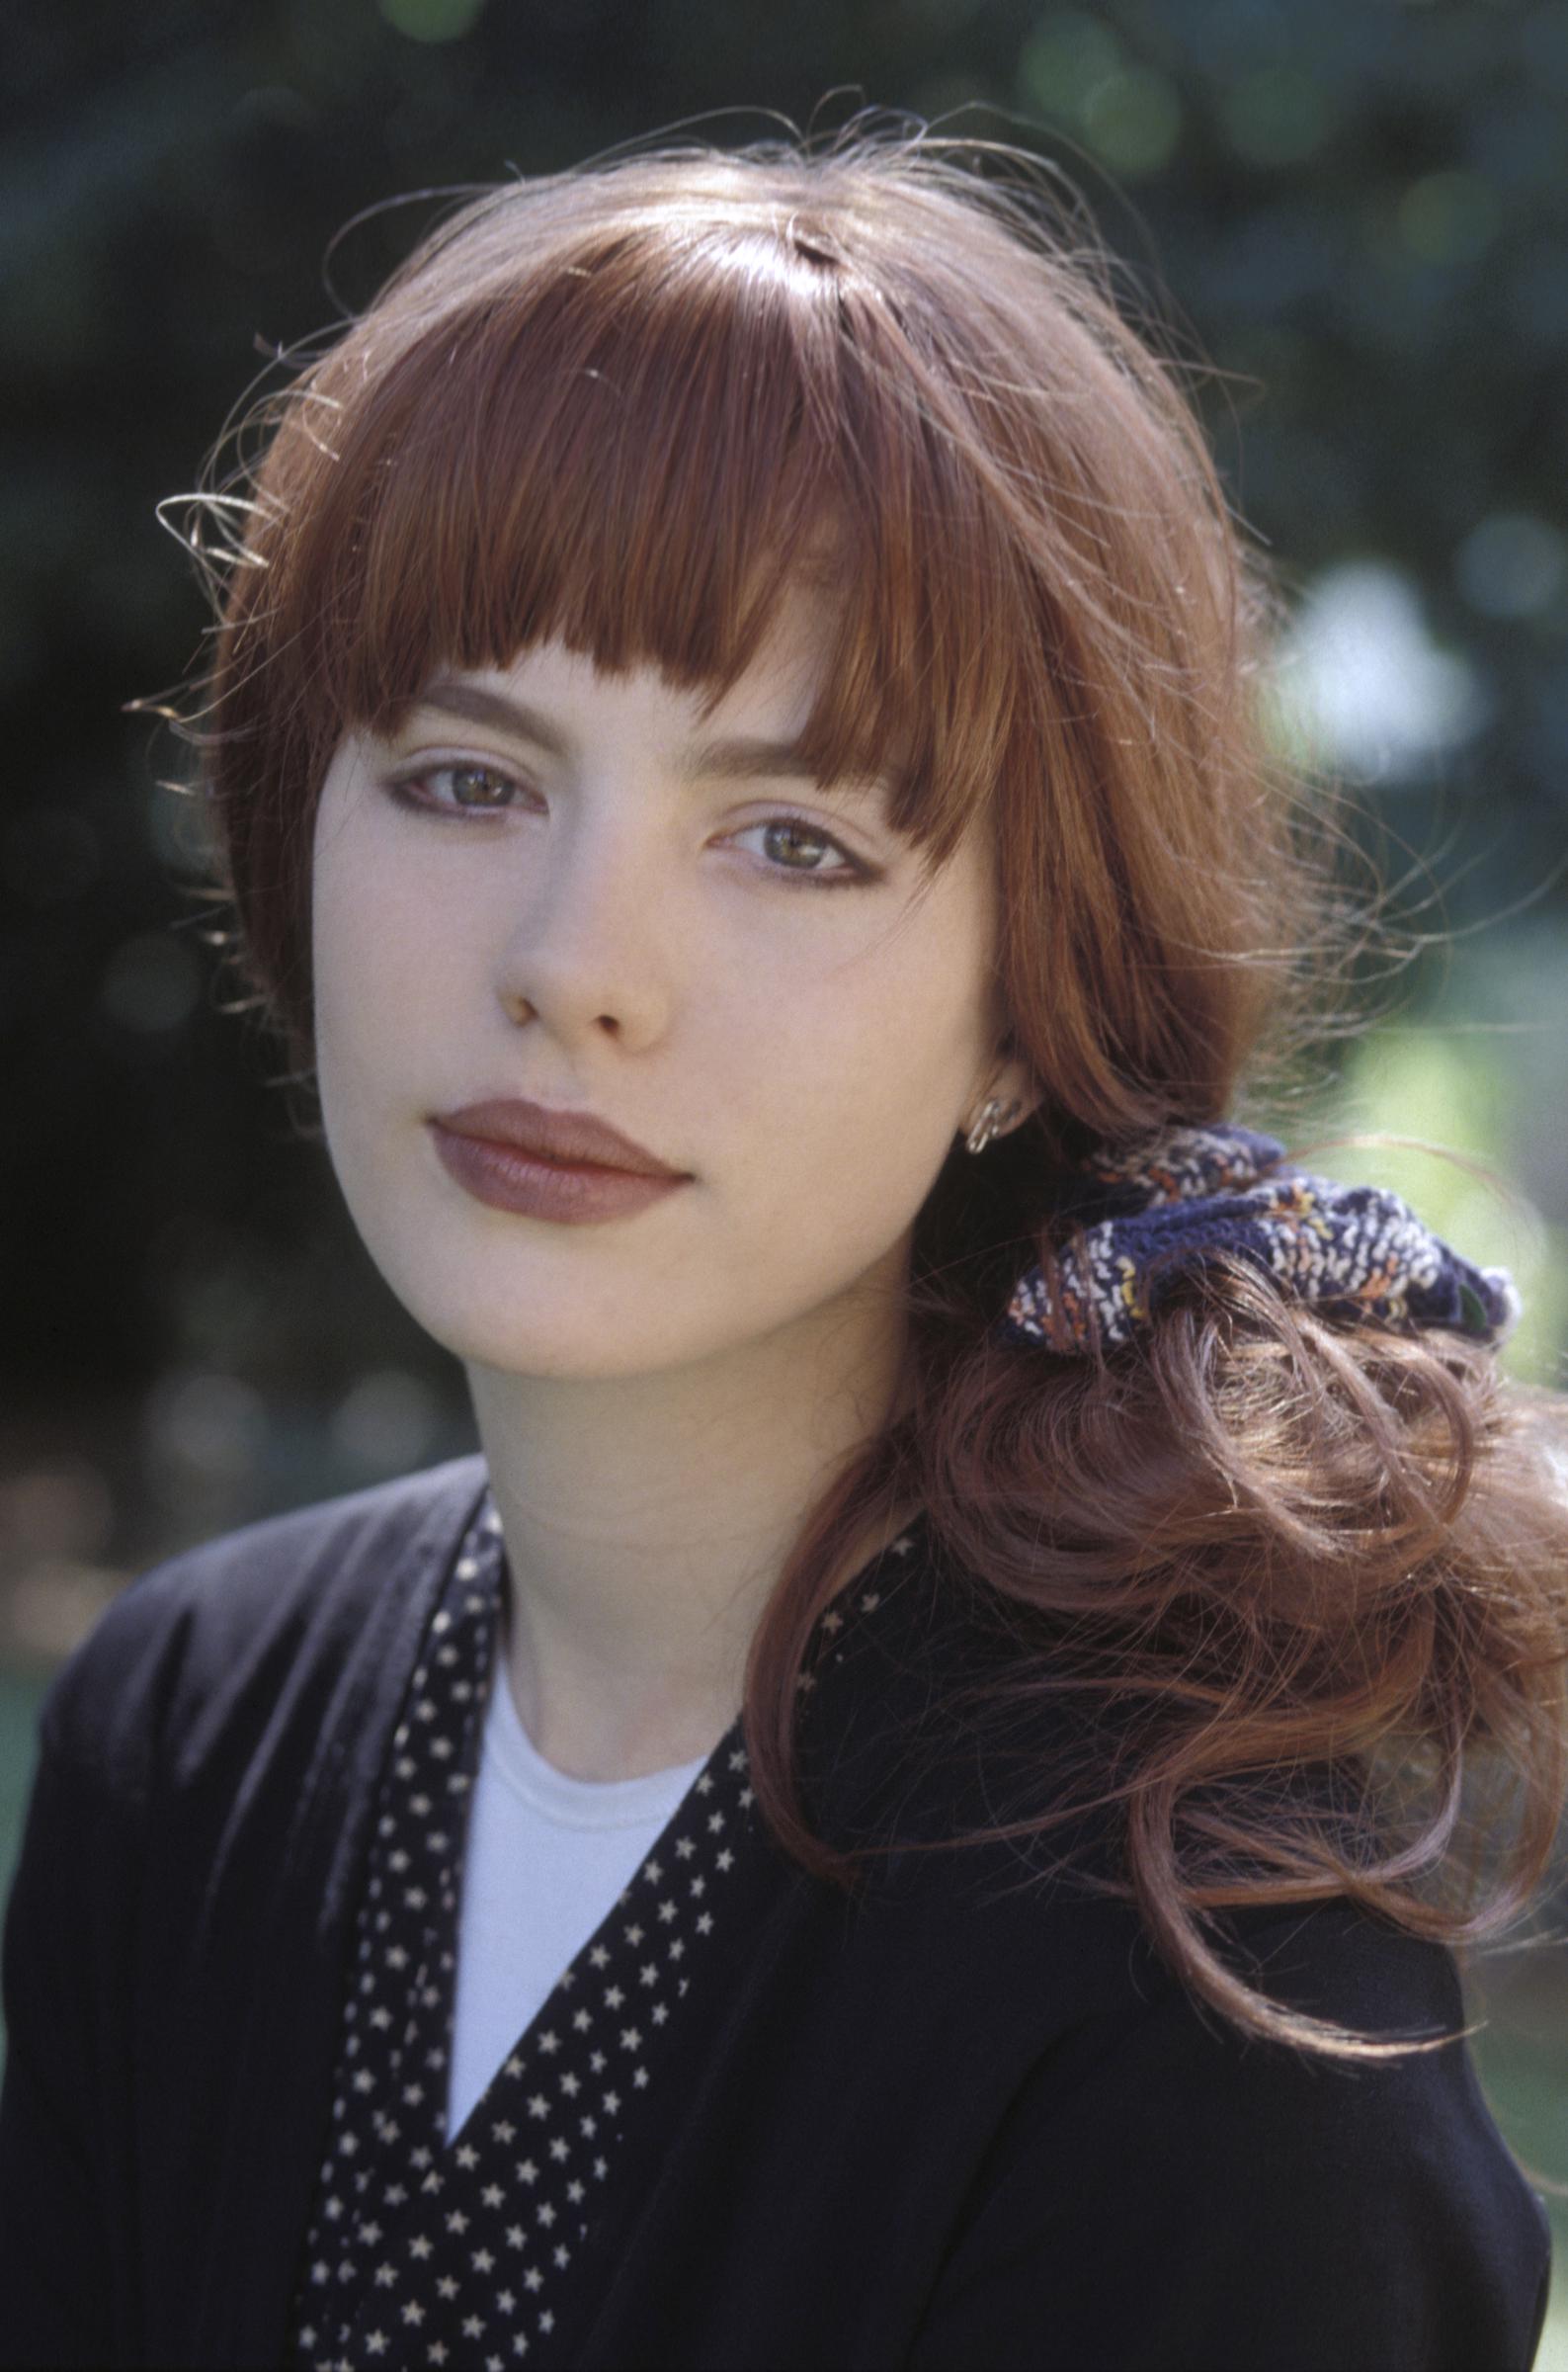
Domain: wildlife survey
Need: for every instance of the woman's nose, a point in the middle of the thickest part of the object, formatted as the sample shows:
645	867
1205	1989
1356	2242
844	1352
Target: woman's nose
593	944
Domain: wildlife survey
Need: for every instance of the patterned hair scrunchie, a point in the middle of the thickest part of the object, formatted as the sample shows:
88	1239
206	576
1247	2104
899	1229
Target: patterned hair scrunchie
1154	1215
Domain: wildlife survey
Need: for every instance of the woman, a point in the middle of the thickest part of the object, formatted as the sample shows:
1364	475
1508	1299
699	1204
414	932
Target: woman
903	1810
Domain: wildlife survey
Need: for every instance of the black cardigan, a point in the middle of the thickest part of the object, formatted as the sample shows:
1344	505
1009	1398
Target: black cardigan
966	2122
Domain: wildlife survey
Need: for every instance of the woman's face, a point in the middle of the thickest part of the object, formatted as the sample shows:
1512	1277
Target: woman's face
733	968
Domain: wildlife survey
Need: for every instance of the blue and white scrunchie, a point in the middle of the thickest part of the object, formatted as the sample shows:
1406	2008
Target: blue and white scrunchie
1154	1215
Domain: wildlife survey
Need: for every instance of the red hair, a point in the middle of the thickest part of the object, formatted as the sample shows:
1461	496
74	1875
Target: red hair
625	406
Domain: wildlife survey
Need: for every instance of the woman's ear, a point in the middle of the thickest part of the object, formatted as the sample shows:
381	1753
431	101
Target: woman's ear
1019	1085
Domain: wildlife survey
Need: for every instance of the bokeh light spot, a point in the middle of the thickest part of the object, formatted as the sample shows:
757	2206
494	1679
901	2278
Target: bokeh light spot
1449	217
1066	57
386	1422
61	1508
150	983
1135	120
1360	680
432	19
209	1425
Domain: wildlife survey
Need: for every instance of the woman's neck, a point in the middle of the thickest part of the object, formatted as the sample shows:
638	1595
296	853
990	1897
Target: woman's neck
647	1519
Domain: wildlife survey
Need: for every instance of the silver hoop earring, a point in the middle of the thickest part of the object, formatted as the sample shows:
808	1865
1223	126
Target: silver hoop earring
992	1122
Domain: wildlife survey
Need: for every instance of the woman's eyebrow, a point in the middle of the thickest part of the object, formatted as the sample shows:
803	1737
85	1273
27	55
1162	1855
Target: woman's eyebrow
738	758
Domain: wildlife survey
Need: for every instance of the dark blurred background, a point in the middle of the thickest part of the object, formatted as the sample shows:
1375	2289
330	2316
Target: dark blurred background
1360	213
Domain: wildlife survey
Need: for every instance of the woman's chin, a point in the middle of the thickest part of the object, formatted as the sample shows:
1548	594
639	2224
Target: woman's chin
545	1326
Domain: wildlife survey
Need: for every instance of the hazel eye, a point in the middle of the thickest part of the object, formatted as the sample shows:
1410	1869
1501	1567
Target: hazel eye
793	834
496	790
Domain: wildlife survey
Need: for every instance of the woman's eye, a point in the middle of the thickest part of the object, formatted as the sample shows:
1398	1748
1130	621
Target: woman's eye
477	790
792	843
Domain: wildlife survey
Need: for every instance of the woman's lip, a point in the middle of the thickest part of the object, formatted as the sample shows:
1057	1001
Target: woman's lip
577	1139
509	1178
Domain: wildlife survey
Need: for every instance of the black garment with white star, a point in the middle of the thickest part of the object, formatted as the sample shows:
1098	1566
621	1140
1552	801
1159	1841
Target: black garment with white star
479	2253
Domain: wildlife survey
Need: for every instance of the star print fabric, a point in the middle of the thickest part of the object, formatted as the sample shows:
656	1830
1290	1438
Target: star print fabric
472	2253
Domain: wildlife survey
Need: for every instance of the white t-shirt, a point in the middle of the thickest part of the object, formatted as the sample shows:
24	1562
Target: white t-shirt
547	1856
